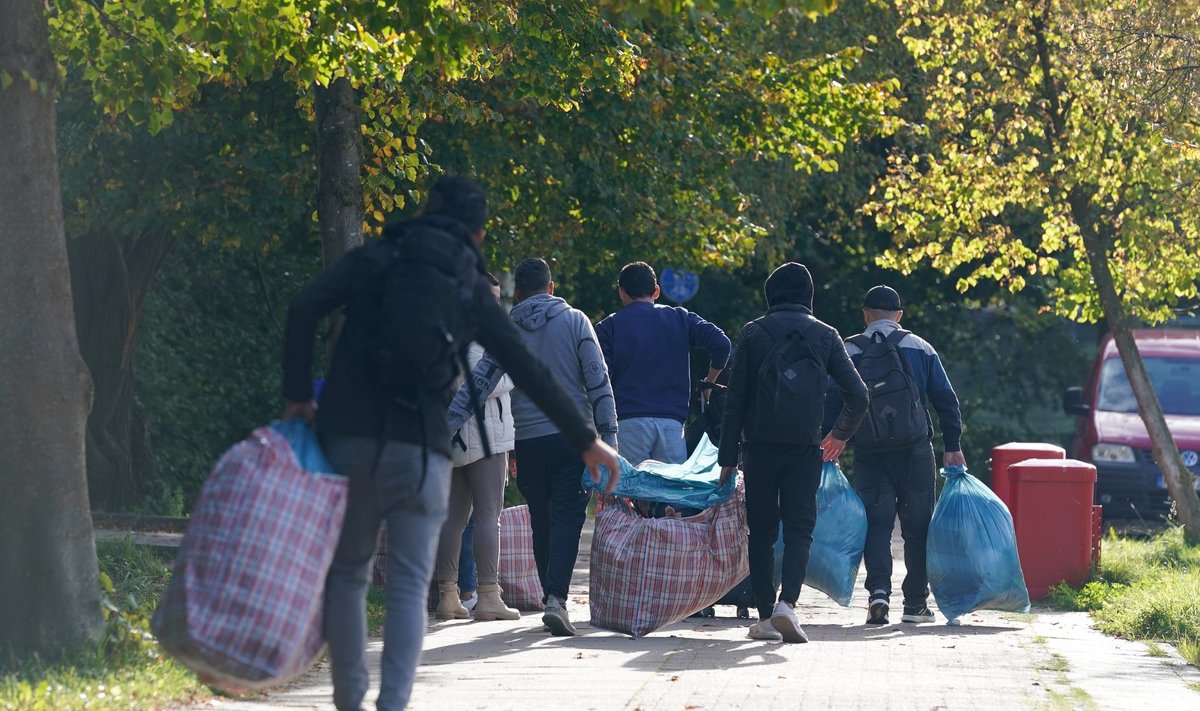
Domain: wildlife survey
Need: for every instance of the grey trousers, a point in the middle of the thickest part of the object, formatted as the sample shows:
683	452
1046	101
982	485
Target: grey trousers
479	484
393	485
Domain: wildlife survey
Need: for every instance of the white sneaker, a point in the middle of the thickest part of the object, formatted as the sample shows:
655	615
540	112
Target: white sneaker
765	631
785	622
469	603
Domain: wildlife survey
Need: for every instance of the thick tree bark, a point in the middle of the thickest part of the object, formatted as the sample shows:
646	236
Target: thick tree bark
110	276
339	177
49	599
1166	453
339	169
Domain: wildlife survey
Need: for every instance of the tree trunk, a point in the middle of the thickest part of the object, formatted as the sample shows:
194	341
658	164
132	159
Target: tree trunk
49	599
339	177
1166	453
110	276
339	170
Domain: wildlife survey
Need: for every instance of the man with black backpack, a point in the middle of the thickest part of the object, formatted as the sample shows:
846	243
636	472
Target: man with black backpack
893	451
414	301
775	404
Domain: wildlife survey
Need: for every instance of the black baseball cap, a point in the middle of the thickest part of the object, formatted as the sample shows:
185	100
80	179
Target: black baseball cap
882	298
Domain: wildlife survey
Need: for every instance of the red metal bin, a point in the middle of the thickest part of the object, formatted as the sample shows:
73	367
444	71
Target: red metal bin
1005	455
1053	518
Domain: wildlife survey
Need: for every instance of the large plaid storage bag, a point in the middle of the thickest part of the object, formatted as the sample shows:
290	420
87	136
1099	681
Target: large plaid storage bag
244	607
520	586
650	572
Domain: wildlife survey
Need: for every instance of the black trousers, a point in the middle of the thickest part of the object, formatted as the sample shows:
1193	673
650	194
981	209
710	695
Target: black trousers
781	484
891	484
550	477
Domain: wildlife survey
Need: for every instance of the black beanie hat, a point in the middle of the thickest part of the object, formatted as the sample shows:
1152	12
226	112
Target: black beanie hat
790	283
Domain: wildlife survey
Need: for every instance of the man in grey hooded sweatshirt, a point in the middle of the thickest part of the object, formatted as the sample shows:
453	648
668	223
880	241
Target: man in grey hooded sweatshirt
549	469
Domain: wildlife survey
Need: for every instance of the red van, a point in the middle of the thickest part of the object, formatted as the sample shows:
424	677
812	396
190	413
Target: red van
1110	432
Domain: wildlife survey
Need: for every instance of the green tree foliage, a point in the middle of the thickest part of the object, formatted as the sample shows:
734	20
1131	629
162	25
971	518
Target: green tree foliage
687	167
1150	51
1022	127
233	170
150	65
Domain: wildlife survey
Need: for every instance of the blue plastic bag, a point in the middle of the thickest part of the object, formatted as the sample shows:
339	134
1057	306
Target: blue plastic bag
303	441
838	538
972	550
692	484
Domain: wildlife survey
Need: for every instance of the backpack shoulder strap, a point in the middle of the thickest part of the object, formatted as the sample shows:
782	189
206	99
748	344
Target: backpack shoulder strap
810	324
896	336
893	340
772	330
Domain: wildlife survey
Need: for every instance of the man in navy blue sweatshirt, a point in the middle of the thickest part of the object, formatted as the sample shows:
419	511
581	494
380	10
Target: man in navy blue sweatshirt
895	478
648	351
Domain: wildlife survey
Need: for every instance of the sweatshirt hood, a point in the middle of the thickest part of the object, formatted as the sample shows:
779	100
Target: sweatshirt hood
536	311
790	283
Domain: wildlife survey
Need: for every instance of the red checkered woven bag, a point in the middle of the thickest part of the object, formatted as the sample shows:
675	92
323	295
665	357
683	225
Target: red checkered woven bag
650	572
519	582
244	608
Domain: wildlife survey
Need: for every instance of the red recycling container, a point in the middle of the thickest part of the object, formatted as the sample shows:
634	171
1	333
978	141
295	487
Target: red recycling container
1054	521
1005	455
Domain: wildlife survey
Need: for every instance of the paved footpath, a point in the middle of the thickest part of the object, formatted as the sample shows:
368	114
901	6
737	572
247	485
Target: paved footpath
1045	660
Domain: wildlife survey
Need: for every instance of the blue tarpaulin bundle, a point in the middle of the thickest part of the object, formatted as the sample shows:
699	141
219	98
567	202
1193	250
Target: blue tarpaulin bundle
692	484
972	550
838	538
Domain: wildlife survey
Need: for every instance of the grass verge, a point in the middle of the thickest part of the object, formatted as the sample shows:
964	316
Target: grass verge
126	670
1144	590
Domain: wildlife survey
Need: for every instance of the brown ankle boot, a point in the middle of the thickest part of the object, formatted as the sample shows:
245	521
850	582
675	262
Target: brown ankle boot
449	605
491	607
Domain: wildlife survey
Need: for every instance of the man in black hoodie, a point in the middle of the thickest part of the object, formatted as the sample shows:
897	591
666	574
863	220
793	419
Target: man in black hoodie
775	404
395	446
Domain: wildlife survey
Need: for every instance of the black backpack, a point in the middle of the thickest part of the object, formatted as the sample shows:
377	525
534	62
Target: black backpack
790	393
897	417
413	315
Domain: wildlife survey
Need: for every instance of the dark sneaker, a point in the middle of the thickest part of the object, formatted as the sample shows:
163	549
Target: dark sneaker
917	614
877	610
555	618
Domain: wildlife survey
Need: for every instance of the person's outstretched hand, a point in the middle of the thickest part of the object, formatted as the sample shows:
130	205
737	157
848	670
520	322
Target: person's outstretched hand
954	459
600	453
726	472
306	409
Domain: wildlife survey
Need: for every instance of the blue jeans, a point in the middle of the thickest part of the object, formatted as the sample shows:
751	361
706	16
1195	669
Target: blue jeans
891	484
468	574
550	477
659	438
392	484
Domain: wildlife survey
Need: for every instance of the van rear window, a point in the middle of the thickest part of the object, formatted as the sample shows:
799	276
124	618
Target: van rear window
1176	380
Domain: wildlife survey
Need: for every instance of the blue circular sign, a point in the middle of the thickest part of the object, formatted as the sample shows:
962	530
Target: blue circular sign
679	286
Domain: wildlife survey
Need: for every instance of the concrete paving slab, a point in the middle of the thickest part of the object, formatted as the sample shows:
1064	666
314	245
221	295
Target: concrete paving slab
1045	660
